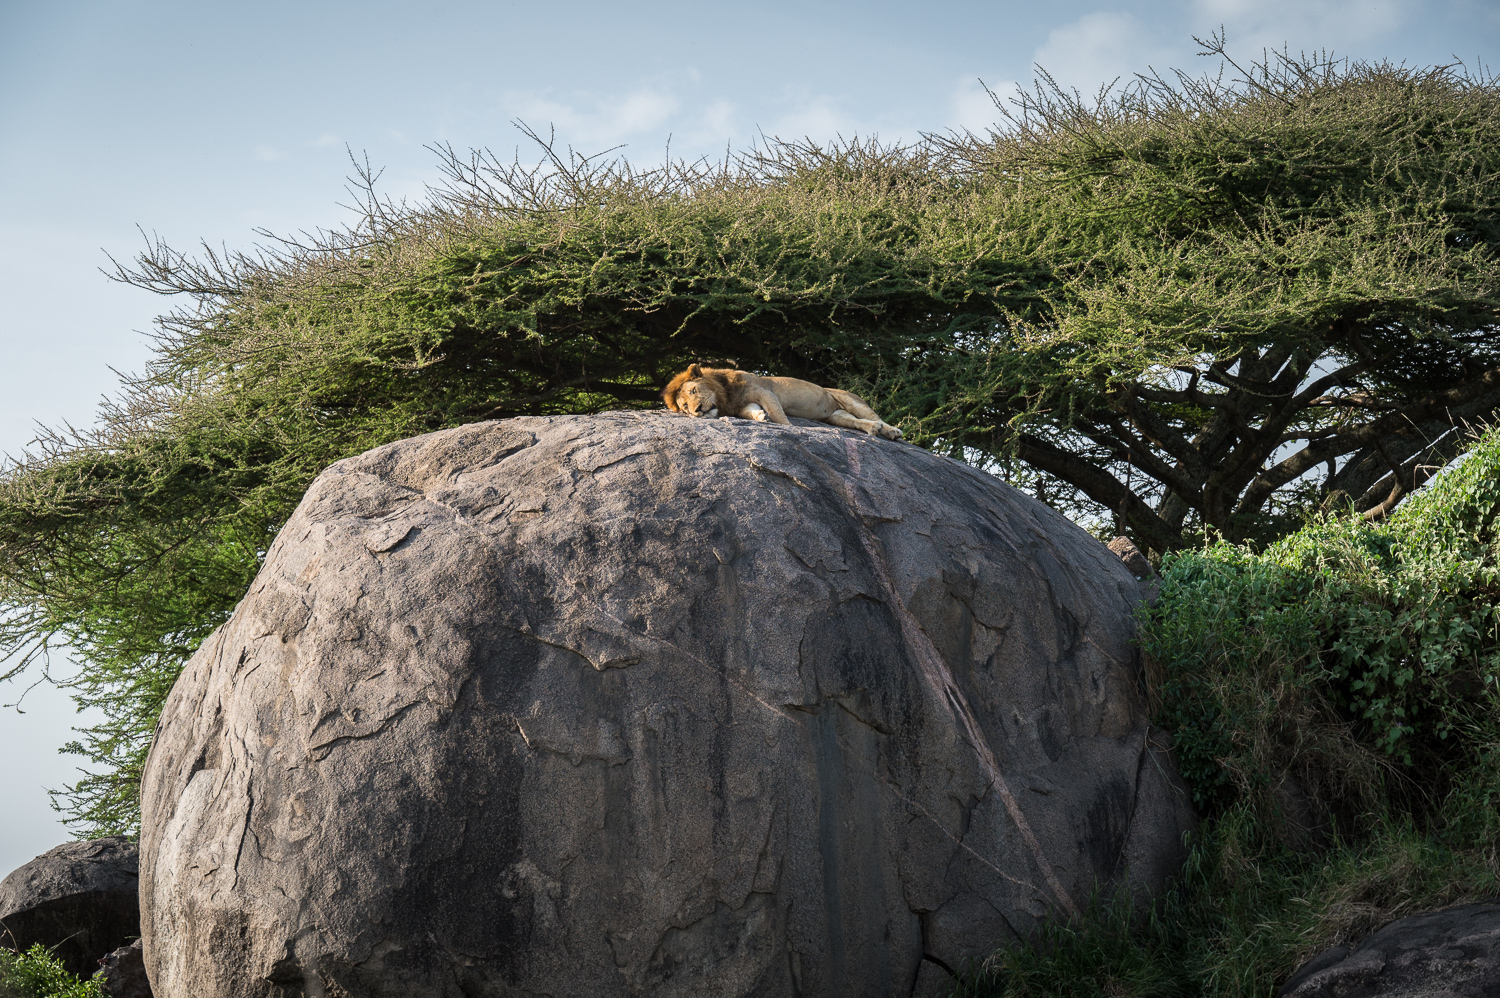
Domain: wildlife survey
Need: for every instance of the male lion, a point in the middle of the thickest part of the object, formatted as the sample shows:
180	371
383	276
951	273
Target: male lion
709	391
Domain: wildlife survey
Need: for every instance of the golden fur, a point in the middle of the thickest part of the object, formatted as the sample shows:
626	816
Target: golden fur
711	391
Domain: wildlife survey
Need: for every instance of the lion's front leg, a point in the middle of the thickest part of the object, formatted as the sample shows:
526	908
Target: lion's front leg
771	406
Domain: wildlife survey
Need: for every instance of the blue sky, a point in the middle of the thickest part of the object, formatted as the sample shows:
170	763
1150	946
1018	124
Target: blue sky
209	120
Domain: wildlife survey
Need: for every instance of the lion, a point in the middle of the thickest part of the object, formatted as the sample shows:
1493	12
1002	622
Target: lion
710	391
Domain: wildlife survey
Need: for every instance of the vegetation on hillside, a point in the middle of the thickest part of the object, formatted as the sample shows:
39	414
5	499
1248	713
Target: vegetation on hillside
1335	705
1198	306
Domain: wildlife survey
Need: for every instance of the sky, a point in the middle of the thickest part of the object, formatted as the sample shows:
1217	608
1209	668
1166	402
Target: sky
204	122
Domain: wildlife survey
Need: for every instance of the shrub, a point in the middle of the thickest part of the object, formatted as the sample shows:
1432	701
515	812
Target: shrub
36	973
1356	661
1335	710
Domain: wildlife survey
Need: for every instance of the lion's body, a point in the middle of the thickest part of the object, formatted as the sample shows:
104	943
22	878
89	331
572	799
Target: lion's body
709	391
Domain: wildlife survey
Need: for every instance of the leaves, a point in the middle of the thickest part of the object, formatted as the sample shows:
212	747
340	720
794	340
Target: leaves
1198	307
36	973
1345	644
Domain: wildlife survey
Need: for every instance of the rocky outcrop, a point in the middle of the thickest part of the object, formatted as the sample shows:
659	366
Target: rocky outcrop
1453	953
82	898
125	973
637	704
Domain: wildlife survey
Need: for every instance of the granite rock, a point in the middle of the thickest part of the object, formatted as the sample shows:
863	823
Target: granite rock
1453	953
638	704
125	972
82	898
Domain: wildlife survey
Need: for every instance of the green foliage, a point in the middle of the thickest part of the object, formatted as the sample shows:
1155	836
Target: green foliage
1131	307
1360	660
38	974
1256	296
127	545
1335	707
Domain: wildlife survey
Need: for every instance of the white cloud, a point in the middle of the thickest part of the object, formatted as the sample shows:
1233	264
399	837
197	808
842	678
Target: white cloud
683	108
643	111
814	116
268	154
1100	47
594	122
1303	23
326	141
971	107
1105	45
719	118
1344	27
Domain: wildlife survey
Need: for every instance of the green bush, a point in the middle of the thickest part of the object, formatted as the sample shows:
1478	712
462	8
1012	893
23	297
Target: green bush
1360	661
36	973
1335	706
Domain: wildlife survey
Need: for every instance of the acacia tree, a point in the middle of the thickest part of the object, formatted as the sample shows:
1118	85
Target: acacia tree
568	287
1269	294
1196	305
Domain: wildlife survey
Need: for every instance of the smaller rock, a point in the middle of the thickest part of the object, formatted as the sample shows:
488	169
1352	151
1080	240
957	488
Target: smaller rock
80	899
1453	953
1131	555
125	973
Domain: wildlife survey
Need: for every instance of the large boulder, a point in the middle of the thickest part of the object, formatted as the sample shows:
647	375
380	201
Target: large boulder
82	898
637	704
1453	953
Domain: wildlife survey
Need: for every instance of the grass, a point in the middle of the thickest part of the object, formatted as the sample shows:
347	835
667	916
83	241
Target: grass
1244	916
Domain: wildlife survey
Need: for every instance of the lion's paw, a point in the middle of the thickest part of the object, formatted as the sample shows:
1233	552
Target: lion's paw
891	432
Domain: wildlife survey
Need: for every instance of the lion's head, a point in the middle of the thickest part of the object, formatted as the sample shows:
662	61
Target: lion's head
694	393
697	398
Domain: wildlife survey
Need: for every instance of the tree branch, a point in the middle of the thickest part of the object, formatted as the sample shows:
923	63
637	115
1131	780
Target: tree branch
1102	487
1429	459
1159	432
1400	423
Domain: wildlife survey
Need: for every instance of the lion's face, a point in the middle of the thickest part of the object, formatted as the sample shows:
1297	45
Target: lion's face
696	398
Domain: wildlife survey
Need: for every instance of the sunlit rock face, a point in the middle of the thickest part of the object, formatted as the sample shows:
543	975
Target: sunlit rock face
637	704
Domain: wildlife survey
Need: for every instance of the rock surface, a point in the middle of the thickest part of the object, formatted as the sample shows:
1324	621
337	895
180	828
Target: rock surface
637	704
1137	563
1453	953
125	973
82	897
